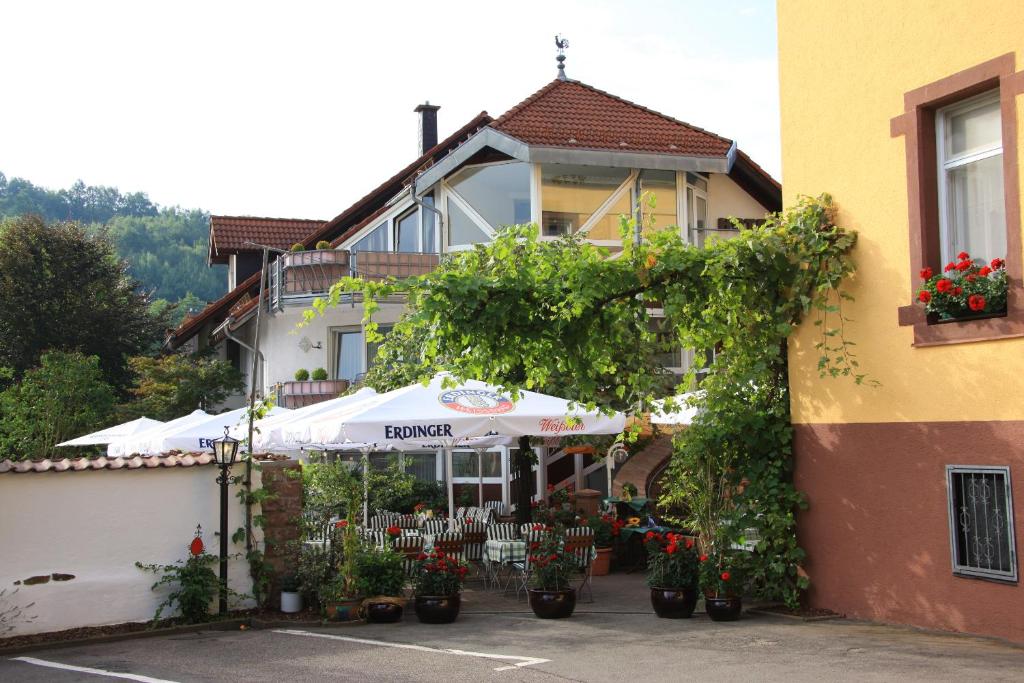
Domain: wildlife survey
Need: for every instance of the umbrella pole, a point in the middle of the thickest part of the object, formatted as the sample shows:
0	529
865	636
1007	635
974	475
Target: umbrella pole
480	472
451	489
366	487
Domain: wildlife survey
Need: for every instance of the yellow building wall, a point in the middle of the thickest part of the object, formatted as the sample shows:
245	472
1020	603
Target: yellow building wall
844	67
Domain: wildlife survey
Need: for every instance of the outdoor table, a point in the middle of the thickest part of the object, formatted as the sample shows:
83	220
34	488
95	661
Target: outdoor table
498	552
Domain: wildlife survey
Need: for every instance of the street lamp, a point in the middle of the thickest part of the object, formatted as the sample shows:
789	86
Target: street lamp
225	450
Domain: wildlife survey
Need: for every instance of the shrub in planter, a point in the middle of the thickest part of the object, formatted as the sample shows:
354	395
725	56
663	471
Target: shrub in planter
965	288
438	582
301	375
722	586
337	601
291	598
319	374
552	595
298	246
672	574
323	244
604	540
380	578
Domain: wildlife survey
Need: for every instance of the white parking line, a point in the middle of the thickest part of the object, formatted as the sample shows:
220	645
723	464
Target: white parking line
88	670
519	661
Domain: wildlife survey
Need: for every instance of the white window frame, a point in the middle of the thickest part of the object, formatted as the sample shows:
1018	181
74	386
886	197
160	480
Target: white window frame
602	211
335	335
390	218
685	355
954	533
945	164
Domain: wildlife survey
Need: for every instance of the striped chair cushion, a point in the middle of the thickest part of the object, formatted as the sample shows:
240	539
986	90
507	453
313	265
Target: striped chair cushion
474	536
578	542
410	547
383	521
450	543
460	512
432	527
496	506
502	532
377	537
406	522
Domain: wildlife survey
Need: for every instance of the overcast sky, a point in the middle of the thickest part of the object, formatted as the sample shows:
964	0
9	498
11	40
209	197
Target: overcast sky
297	109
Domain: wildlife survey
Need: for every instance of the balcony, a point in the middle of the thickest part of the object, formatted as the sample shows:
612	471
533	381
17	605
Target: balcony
303	274
302	394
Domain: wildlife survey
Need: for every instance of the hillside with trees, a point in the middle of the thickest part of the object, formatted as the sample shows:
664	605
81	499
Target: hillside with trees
165	247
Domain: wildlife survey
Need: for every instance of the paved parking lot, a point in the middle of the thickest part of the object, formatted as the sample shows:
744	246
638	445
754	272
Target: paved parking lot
515	646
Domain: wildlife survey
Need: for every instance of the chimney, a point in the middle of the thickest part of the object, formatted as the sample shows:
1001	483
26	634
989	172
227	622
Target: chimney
428	125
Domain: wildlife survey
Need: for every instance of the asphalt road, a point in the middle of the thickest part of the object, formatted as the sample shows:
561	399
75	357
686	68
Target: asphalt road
519	647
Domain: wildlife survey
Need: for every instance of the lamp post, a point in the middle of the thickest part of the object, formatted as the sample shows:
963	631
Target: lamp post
225	450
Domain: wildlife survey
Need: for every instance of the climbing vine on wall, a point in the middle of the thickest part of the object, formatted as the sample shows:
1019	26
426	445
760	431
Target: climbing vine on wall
564	317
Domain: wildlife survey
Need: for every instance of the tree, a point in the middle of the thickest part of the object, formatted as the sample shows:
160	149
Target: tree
66	396
560	316
61	288
167	387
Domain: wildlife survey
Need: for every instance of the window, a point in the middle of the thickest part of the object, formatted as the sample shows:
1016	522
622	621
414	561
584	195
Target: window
373	346
348	345
571	195
500	193
376	240
461	228
422	465
661	186
972	211
981	522
464	465
407	232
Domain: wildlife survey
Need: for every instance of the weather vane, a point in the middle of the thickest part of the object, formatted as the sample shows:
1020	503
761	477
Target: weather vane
561	43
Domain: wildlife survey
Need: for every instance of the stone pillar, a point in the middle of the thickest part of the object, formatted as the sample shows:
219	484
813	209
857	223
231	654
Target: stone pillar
282	512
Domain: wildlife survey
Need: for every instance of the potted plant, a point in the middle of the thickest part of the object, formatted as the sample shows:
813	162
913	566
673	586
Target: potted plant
319	374
551	593
721	586
301	375
323	245
604	540
438	584
380	578
965	289
671	574
291	598
297	247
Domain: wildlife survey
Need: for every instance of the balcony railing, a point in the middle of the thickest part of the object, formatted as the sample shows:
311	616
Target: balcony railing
302	274
301	394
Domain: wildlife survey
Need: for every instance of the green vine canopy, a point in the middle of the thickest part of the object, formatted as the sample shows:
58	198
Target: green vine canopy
573	319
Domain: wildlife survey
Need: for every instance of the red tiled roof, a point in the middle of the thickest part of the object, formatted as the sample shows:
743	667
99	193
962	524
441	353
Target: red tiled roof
134	462
229	234
575	115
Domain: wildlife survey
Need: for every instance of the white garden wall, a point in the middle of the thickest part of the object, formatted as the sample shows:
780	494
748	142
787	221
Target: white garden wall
94	525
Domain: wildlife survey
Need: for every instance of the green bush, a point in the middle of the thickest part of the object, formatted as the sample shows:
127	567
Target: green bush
379	572
319	374
298	246
194	586
323	244
301	375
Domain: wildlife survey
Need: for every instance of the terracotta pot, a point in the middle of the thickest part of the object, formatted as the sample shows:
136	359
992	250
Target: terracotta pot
344	610
383	612
552	604
723	608
602	563
438	609
674	603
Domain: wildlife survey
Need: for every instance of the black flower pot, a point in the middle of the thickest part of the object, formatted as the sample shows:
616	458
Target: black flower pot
383	612
552	604
674	603
438	609
723	609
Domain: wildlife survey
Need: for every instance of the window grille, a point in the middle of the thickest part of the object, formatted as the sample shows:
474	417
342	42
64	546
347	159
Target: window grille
981	522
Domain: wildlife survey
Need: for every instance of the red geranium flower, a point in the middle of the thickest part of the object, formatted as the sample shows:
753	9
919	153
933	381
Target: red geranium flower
976	302
394	531
971	278
924	296
944	285
726	576
689	543
957	291
553	557
984	271
469	520
703	558
926	273
671	548
649	535
998	263
964	265
949	266
421	556
963	256
341	524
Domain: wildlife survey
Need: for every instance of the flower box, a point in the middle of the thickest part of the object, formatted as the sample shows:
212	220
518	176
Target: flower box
965	290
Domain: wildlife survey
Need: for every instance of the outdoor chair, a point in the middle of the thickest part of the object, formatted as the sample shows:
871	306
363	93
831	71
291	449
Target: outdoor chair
377	537
474	535
460	512
406	522
496	507
410	547
383	520
520	575
579	542
450	543
433	527
499	532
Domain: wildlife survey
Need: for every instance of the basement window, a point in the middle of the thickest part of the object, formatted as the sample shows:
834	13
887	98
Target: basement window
981	522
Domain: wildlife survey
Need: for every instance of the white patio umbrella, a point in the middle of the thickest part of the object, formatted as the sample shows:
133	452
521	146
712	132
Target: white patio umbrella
288	432
189	436
433	415
129	444
110	434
